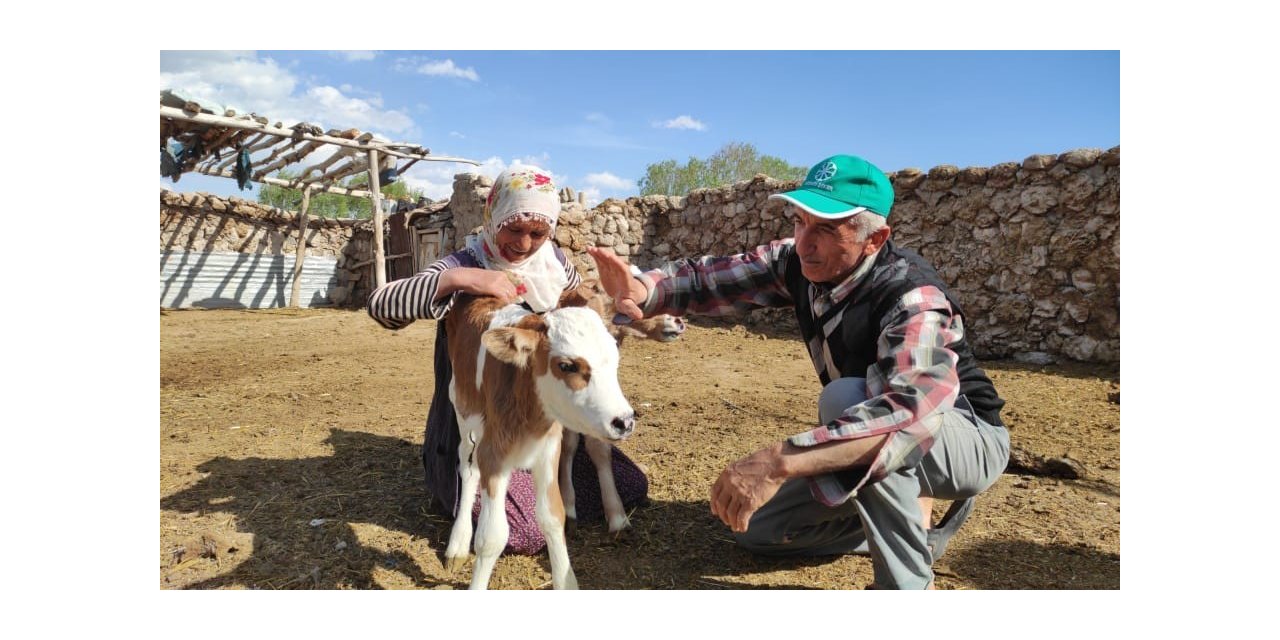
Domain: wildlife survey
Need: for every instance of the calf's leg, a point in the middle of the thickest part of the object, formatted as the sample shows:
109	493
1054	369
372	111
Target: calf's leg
492	530
602	456
568	449
550	512
455	555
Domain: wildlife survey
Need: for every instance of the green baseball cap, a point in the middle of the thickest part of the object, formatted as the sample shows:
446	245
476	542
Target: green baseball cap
841	186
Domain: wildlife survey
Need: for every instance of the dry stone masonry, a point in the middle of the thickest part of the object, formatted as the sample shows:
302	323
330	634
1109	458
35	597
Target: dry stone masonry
199	223
1031	250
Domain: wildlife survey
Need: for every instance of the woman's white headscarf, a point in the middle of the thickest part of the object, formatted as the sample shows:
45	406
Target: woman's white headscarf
523	193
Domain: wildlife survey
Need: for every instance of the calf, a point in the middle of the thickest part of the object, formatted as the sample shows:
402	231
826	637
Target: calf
662	328
519	379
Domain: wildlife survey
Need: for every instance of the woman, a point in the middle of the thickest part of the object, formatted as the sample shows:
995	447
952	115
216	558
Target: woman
510	259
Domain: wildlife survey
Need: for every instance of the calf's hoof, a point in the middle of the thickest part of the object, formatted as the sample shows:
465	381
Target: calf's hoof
570	526
619	524
453	564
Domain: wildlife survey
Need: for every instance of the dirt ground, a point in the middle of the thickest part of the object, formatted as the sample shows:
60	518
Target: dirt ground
290	444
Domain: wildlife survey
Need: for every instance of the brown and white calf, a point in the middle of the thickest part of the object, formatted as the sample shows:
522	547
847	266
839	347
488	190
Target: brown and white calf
519	379
662	328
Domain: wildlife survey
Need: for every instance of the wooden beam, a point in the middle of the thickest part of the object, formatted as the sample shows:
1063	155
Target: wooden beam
324	165
218	143
380	262
292	184
289	159
236	152
364	263
271	141
388	149
354	166
300	253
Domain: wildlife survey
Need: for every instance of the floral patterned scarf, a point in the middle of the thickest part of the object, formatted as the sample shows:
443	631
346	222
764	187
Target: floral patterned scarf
523	193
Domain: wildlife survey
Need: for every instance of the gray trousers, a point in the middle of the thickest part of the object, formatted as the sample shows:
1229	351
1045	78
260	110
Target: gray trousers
884	519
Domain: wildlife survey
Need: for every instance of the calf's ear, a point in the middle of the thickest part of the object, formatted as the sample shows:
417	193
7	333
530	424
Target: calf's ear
512	345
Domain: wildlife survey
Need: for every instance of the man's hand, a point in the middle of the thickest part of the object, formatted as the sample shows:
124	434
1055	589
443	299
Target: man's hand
616	278
745	485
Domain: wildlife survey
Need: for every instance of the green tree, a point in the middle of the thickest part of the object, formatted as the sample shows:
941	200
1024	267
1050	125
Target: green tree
332	205
734	162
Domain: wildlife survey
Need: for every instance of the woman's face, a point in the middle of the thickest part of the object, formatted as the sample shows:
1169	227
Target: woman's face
519	240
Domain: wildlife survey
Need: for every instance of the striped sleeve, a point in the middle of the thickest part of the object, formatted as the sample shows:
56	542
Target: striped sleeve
570	272
396	304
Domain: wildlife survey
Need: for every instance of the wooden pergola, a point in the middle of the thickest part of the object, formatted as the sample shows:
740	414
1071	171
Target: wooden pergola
214	141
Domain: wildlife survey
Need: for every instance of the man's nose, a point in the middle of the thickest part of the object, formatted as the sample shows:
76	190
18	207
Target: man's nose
802	240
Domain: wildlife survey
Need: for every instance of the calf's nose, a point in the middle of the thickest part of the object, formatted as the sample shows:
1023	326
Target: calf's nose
623	426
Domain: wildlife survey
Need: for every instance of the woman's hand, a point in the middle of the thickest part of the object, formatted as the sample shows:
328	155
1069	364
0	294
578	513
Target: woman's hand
481	282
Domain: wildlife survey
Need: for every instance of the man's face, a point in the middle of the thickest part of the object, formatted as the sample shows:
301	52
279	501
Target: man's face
829	249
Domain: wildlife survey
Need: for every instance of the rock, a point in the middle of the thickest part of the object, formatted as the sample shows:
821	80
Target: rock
1039	162
1038	200
973	175
1077	311
1002	175
1080	158
907	179
941	177
1082	279
1038	358
1064	467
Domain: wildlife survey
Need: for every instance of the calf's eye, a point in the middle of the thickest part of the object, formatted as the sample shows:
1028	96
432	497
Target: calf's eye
569	367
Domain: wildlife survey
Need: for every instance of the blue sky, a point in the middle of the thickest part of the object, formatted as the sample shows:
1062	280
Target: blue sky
596	119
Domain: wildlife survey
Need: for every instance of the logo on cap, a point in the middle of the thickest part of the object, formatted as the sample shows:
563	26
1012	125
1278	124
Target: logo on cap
827	172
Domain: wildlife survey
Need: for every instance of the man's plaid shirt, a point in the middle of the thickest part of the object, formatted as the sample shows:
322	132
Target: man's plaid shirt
914	376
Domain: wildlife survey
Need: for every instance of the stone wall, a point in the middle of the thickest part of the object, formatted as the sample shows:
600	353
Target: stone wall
1031	250
199	222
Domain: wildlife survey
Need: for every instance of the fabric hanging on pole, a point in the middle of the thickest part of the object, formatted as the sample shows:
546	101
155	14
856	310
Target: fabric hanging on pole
169	165
243	168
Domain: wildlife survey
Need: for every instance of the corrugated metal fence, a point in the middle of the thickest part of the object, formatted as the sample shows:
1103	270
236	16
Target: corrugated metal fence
223	280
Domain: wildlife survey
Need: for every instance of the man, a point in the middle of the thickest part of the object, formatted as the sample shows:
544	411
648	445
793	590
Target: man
906	414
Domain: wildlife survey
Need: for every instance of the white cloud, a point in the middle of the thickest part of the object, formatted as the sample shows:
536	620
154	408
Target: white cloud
356	56
436	68
606	180
435	179
455	134
681	122
242	80
598	118
355	112
540	161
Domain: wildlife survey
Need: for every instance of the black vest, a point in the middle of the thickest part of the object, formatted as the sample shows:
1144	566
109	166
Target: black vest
896	271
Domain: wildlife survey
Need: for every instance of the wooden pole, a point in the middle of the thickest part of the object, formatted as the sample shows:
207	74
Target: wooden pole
380	263
301	253
293	184
251	125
